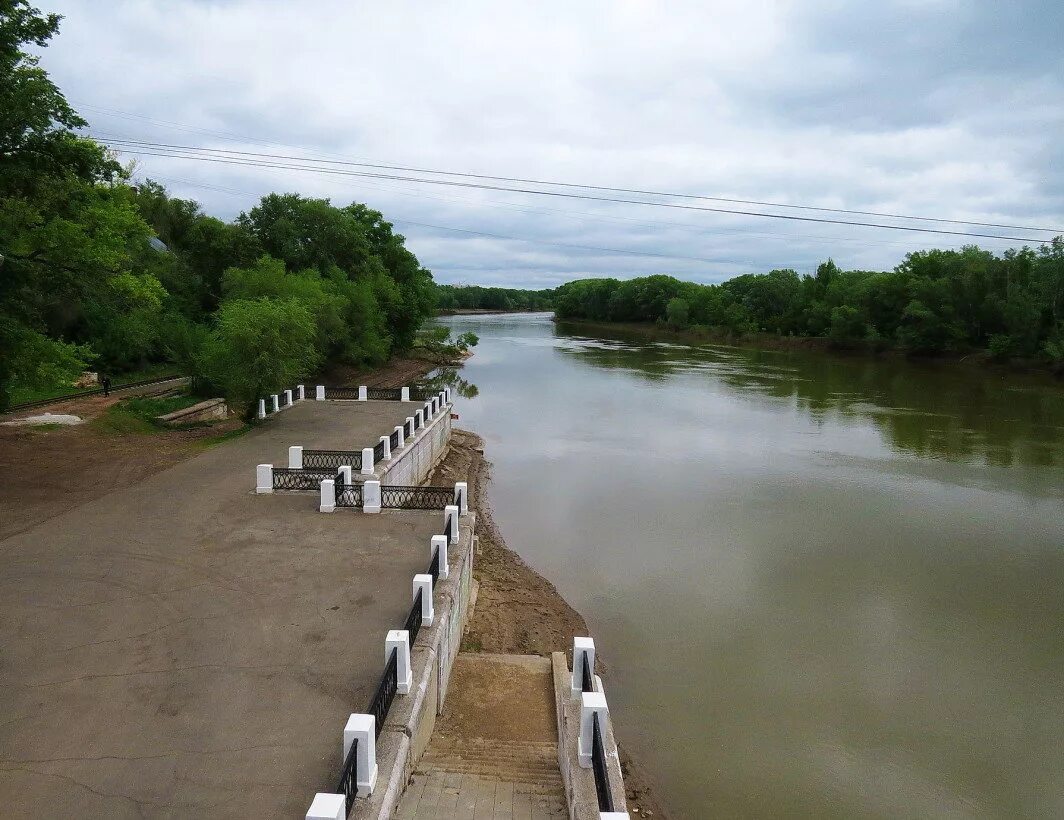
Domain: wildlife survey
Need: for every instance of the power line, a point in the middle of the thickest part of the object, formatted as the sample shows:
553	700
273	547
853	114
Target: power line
212	155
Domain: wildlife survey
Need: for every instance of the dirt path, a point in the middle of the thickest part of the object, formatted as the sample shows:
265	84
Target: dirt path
518	611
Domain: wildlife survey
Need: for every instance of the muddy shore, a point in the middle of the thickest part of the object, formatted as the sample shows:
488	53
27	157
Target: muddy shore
518	611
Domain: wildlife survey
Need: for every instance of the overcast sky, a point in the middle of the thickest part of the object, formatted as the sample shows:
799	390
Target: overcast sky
946	109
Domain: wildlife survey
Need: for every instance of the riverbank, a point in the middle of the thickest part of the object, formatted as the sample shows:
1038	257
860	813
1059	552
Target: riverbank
769	341
518	611
485	311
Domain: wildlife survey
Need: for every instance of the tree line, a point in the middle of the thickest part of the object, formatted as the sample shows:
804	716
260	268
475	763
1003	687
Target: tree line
97	271
476	297
1011	305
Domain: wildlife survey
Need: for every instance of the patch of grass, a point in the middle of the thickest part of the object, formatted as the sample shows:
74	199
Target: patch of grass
20	394
118	421
148	407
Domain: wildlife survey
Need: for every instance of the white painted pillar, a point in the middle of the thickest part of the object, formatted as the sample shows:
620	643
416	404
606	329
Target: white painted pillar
264	478
262	408
327	807
301	393
581	647
402	436
461	496
362	729
371	497
424	583
367	461
400	639
276	402
591	703
319	393
328	495
449	511
288	397
295	458
345	471
439	542
387	442
363	393
404	394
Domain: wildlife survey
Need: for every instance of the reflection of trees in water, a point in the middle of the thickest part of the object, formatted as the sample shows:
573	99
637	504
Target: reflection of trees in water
936	411
448	377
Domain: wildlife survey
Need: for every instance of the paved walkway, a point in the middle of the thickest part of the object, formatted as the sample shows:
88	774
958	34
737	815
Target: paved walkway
185	648
489	759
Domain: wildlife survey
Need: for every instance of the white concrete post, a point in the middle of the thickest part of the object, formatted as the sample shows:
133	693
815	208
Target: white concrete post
327	807
581	647
371	497
400	639
319	393
288	397
276	402
262	408
424	583
362	729
448	511
363	393
439	542
345	475
591	703
404	394
367	461
387	442
301	393
295	458
328	495
402	436
461	496
264	478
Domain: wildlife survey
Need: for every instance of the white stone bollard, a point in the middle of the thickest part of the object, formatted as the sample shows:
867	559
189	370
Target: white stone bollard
439	542
262	408
327	807
264	478
363	393
404	394
276	402
402	436
362	729
319	393
367	461
295	458
424	583
328	495
591	704
301	393
387	442
448	512
461	496
288	398
371	497
400	640
581	647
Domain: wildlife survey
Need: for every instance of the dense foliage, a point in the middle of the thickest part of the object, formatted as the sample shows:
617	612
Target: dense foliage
475	297
934	301
245	307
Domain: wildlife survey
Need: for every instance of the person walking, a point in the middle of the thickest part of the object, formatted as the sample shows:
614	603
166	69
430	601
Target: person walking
107	385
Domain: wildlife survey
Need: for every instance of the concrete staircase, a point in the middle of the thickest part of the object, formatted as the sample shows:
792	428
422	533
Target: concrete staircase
531	762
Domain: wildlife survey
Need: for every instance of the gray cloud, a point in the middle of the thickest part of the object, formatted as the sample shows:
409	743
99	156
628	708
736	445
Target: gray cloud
947	108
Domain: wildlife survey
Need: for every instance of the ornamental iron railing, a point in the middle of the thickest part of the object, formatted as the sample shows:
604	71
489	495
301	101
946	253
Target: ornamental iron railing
416	498
289	478
598	765
378	453
413	618
393	440
452	528
385	694
349	496
434	567
341	393
384	393
331	459
348	786
419	421
408	428
587	678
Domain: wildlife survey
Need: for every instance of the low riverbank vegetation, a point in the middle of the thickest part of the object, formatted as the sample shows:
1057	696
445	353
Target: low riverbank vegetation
459	298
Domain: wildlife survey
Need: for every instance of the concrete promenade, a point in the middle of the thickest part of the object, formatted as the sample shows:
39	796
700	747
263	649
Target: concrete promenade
185	648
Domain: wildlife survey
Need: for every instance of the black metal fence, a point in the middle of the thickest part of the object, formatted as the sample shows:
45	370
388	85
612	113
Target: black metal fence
348	786
434	567
349	496
598	765
408	428
587	677
331	459
341	392
288	478
416	498
384	393
413	618
393	440
378	452
386	689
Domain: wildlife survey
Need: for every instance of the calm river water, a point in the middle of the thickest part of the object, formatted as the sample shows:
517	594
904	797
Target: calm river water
823	587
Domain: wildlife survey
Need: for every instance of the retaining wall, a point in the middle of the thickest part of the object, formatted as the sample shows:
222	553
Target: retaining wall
414	462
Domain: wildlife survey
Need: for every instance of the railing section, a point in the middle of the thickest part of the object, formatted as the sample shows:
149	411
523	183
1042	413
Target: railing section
378	453
386	689
393	440
349	778
384	393
587	679
598	765
288	478
349	496
413	619
331	459
341	392
434	567
416	498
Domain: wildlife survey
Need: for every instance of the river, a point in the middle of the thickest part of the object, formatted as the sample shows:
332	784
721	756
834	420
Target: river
822	586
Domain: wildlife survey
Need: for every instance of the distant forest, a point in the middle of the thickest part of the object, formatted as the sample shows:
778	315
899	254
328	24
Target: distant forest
475	297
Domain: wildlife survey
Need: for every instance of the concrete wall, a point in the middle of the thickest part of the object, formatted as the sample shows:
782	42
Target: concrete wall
204	411
412	717
415	461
